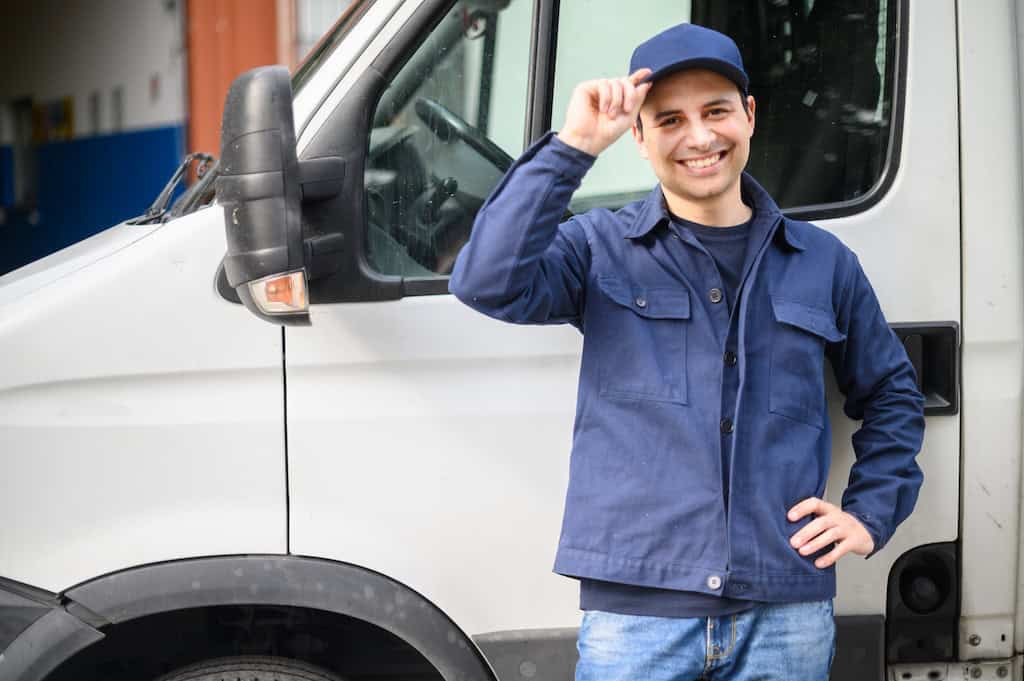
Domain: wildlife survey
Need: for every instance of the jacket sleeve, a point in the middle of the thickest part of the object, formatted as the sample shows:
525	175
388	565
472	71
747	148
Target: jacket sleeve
520	265
880	385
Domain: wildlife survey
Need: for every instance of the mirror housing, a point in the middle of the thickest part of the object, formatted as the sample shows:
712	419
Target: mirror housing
260	189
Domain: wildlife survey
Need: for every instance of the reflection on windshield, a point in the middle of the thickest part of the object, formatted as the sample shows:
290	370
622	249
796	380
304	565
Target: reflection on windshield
349	17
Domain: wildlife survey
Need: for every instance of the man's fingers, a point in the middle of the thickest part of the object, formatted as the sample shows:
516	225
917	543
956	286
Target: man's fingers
821	541
841	549
809	505
636	93
638	75
639	94
604	95
617	96
810	531
630	96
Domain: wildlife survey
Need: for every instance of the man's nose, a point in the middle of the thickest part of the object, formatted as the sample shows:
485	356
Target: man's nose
699	136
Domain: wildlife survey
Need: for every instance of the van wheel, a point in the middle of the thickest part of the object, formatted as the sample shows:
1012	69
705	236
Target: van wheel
250	668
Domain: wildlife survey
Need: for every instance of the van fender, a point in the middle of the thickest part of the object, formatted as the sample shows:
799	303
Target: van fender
276	580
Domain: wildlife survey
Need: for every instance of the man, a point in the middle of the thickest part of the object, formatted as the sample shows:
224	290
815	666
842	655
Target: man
694	518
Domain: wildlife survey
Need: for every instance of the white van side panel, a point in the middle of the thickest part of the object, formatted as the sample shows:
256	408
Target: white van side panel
992	341
143	415
1018	637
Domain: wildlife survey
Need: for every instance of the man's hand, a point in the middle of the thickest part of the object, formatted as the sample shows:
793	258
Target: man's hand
601	110
832	524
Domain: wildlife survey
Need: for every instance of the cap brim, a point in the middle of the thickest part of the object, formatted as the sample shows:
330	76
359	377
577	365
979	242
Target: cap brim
720	67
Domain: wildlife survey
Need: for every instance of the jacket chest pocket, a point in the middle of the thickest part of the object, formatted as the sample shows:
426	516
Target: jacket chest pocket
797	378
641	340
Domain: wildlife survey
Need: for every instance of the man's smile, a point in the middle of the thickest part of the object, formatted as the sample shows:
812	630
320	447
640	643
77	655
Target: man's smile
703	164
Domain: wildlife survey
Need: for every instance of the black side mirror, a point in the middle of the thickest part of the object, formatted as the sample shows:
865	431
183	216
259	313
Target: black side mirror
260	188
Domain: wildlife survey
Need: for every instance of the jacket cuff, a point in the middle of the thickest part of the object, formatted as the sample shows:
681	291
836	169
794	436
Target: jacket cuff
870	523
567	159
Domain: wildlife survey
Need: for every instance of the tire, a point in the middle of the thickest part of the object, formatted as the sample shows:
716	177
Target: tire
250	668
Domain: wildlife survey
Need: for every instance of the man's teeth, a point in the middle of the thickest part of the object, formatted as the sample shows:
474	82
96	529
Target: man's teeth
703	162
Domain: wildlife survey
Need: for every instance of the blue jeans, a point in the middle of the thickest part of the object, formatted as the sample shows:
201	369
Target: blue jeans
771	642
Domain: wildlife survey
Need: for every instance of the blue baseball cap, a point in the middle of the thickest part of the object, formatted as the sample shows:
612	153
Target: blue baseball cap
689	46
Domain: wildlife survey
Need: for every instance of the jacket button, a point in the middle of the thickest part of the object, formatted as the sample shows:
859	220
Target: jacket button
726	426
714	582
715	295
641	302
730	358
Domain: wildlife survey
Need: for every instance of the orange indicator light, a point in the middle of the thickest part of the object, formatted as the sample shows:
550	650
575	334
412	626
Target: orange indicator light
280	293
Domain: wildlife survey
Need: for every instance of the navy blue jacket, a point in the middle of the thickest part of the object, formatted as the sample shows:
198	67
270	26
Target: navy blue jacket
670	381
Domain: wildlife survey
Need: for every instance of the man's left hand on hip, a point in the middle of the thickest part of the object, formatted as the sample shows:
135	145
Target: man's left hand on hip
832	525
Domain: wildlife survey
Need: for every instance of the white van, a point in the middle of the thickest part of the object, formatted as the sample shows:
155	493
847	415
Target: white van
371	485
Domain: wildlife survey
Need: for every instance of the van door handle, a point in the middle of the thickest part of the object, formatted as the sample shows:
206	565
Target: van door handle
934	350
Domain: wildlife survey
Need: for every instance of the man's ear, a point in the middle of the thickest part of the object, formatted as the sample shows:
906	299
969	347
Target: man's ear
750	112
638	137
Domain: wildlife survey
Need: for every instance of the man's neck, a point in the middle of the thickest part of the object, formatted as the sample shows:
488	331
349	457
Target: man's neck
724	210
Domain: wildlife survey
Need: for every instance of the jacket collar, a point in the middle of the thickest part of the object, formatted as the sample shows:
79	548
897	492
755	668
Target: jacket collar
653	212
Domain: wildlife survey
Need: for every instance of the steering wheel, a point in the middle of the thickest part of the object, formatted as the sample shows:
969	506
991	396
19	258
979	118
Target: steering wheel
449	126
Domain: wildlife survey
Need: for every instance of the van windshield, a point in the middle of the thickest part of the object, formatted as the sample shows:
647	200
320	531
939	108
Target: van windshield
349	18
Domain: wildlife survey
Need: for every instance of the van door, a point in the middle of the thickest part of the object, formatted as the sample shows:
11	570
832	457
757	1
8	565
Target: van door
430	443
426	441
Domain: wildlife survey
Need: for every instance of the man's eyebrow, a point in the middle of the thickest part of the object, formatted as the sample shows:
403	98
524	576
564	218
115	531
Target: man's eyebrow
675	112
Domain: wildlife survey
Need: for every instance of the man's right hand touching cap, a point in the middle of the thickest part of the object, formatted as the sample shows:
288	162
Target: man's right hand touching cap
601	110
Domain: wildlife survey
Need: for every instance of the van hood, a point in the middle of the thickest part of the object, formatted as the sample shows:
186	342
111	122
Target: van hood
17	284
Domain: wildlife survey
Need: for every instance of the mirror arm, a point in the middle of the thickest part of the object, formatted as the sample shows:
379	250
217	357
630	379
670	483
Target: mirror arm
321	178
323	254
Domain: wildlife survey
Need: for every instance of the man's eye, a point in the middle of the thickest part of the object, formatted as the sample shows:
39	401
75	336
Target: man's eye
717	112
670	120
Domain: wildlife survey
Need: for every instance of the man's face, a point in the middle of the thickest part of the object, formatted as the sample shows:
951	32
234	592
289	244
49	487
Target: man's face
696	134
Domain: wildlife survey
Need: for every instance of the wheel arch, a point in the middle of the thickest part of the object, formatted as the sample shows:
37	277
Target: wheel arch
269	580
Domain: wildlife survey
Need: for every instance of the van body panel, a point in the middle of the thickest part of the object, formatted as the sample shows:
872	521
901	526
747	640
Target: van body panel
143	414
992	332
19	283
451	433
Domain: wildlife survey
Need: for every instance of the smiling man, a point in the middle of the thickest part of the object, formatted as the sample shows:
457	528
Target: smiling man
694	517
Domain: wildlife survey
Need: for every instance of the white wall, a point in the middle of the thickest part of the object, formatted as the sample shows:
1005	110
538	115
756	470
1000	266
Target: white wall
60	48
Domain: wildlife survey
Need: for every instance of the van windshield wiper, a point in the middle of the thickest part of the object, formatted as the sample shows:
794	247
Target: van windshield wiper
201	192
205	163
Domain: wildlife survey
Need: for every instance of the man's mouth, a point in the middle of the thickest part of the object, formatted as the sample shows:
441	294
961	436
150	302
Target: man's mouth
703	161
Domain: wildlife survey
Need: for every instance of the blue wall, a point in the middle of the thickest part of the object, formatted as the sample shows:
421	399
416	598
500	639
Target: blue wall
85	186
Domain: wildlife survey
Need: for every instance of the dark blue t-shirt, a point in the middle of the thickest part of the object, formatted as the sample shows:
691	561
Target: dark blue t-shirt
728	247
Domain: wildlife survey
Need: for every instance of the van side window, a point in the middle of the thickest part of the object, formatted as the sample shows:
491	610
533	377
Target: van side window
444	132
821	72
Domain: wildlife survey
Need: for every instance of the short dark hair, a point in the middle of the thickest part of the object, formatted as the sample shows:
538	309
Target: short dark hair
743	103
